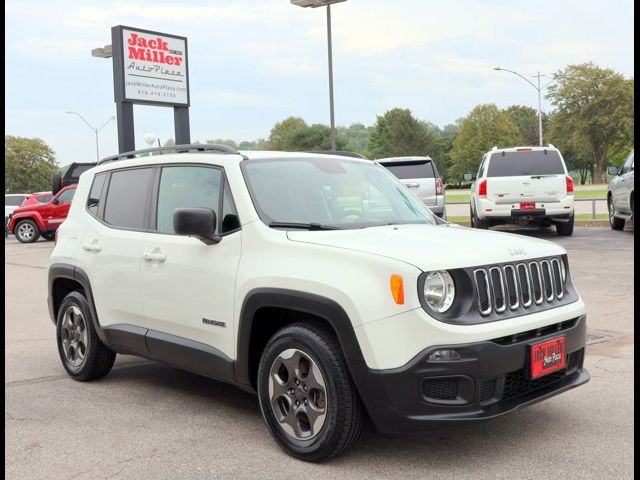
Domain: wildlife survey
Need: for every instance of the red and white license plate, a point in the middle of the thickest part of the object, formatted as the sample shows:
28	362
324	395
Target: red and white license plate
527	206
547	357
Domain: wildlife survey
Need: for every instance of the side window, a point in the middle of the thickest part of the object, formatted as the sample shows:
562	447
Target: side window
95	195
628	164
481	167
186	187
66	196
230	220
127	197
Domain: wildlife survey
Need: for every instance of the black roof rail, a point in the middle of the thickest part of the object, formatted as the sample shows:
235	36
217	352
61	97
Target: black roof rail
193	147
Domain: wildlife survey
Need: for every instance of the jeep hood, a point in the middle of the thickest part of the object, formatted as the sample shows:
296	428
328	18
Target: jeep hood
433	247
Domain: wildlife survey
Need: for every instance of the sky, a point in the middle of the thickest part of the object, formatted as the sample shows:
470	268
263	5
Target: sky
253	63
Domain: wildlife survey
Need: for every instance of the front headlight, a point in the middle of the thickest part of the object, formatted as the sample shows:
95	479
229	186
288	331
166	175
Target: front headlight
439	291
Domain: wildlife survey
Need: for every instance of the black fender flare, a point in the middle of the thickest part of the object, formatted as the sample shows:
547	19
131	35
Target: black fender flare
322	307
71	272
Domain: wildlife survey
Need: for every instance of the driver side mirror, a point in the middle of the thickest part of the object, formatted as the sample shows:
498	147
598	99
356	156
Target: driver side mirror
468	177
56	200
612	170
196	222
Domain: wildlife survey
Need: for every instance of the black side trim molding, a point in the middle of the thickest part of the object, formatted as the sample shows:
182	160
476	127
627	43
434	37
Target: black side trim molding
190	355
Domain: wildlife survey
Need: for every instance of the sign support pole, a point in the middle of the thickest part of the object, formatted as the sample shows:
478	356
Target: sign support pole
181	125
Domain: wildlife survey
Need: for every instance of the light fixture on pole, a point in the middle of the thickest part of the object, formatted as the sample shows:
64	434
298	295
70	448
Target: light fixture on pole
316	4
95	130
538	88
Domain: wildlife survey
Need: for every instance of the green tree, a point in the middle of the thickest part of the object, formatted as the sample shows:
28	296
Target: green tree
28	165
444	143
399	133
315	137
259	144
281	130
594	107
170	142
486	126
356	137
526	121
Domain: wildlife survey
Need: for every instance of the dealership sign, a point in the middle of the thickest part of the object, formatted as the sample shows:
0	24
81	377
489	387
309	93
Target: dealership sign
154	67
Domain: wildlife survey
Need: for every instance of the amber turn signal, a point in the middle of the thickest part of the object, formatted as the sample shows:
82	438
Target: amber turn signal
397	289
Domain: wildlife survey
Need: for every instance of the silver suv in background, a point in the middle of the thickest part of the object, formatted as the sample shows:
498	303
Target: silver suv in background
620	194
421	176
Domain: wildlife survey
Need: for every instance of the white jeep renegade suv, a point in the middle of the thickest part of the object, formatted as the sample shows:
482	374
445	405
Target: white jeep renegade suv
319	282
523	185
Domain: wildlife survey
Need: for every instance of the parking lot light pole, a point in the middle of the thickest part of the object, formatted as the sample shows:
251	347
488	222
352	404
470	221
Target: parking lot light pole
539	89
94	130
327	3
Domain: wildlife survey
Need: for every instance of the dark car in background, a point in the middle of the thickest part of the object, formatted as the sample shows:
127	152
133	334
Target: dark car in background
421	176
70	177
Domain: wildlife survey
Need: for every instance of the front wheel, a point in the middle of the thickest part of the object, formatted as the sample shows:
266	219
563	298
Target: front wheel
27	231
615	222
306	394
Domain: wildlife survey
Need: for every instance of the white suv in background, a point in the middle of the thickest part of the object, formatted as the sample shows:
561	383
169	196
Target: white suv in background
318	282
523	185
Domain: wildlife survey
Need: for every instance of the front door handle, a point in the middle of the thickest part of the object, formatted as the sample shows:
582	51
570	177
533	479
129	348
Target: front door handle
92	247
412	185
154	256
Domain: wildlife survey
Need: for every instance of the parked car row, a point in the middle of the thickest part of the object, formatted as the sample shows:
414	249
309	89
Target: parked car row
518	185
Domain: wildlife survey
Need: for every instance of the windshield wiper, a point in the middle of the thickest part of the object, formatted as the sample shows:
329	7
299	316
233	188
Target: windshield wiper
302	226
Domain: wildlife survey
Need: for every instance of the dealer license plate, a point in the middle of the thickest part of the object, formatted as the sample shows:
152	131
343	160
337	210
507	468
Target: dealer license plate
547	357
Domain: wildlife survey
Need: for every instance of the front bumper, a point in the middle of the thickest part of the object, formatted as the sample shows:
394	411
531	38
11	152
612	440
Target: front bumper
490	380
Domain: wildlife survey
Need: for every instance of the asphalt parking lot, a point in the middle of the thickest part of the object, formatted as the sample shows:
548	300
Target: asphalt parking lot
148	421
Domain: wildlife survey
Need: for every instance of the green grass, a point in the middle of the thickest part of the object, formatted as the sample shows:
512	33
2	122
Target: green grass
579	216
577	194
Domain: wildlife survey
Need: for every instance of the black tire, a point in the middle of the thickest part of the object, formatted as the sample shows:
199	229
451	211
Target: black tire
565	229
615	222
477	223
49	236
345	415
26	231
97	359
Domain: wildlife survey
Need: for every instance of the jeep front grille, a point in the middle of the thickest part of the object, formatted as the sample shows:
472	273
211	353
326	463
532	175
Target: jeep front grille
518	286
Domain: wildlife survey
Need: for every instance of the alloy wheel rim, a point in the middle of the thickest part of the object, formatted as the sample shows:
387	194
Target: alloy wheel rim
26	231
74	336
611	214
298	394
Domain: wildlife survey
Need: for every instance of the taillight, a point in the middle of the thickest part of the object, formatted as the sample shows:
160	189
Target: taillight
482	188
439	187
569	184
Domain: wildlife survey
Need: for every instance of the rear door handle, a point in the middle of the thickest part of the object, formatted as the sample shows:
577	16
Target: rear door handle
92	247
154	257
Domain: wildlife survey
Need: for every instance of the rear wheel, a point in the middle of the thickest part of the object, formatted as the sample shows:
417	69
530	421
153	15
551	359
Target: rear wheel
615	222
306	394
565	228
27	231
477	223
83	355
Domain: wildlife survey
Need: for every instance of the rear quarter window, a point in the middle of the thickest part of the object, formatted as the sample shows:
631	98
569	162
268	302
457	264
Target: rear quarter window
515	164
405	170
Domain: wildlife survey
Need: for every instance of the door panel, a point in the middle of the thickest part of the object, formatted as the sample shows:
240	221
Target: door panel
188	287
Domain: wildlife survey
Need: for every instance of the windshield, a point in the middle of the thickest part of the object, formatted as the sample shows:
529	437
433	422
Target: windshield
528	162
333	192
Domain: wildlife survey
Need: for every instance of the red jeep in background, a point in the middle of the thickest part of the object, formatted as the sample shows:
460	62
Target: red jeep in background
31	221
